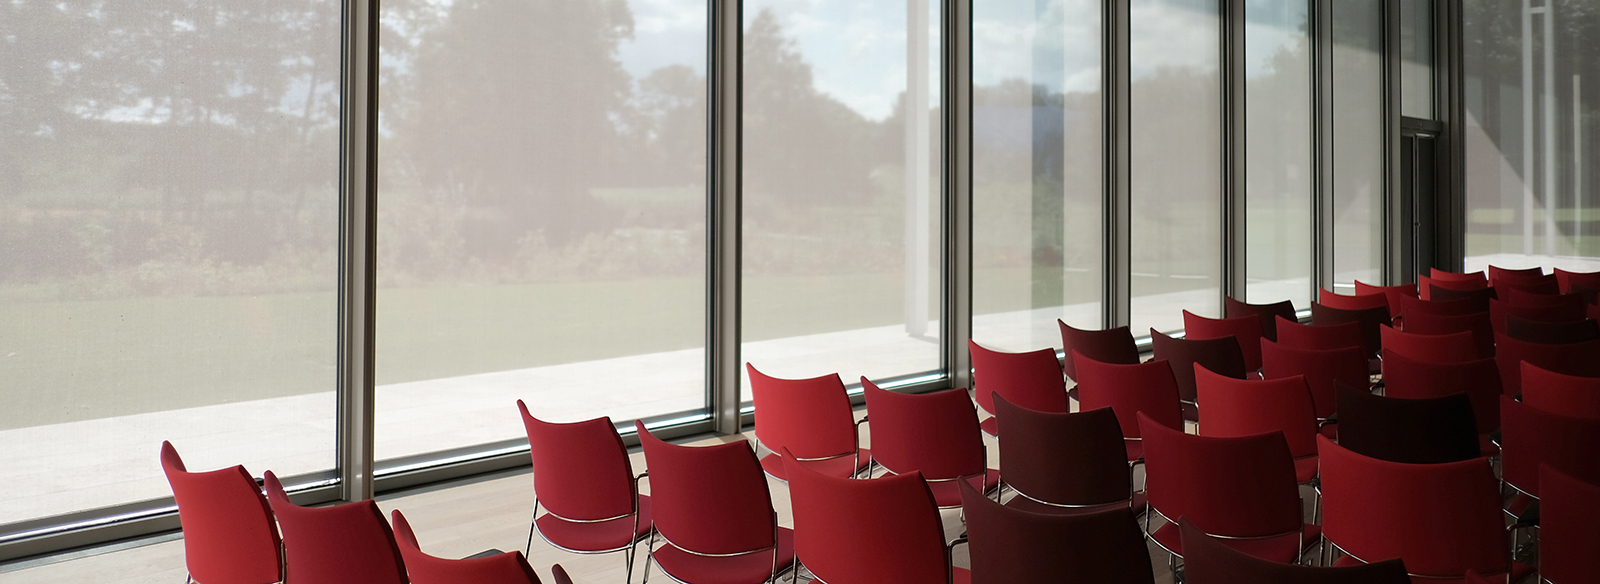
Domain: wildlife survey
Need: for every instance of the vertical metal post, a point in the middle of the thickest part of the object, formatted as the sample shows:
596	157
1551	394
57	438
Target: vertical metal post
956	97
1322	248
723	234
1453	218
1394	217
358	221
1551	181
917	146
1235	270
1114	90
1527	127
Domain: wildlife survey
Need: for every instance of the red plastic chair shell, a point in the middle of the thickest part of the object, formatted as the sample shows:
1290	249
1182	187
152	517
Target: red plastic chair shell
229	536
424	568
342	544
813	418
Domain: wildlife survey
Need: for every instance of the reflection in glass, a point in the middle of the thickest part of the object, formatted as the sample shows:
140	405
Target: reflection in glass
1416	58
841	215
168	237
542	216
1036	159
1177	162
1278	152
1357	143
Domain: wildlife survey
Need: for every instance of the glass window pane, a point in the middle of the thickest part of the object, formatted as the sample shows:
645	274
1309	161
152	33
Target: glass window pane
1416	58
1036	157
169	220
1358	143
1278	152
1177	162
542	216
841	158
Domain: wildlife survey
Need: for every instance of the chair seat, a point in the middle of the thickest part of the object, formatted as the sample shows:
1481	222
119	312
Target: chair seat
1305	469
1519	571
741	569
842	467
610	535
1026	504
1282	548
948	493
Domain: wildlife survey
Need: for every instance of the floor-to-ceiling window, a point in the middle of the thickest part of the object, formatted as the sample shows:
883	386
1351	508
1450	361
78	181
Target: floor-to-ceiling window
1278	140
1358	139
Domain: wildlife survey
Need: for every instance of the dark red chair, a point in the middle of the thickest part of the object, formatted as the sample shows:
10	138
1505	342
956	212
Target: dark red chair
1211	561
1326	336
1522	297
1128	390
1246	330
1579	359
1571	280
1369	319
1426	284
1238	407
1007	545
422	568
560	574
1476	323
1497	273
1551	333
1321	368
935	434
866	531
1543	285
229	536
585	482
1440	519
1457	307
341	544
812	418
1059	462
1476	278
1499	311
1219	355
1113	345
1407	378
1032	379
1560	393
1449	348
1240	488
1415	431
1530	437
1395	295
1268	313
1332	299
713	513
1570	510
1479	296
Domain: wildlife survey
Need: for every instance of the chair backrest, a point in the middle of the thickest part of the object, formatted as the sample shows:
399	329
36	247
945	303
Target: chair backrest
422	568
1032	379
1569	510
1523	297
1426	285
1544	285
341	544
1408	378
1395	295
1239	407
1207	560
1369	319
1112	345
1560	393
1333	299
1129	389
1441	519
1410	306
1551	333
1581	359
1245	330
810	417
866	531
1416	431
1497	273
580	469
1220	355
1476	323
1268	313
1570	280
1320	336
1071	460
229	536
1468	277
1530	437
1498	311
1235	487
934	433
709	500
1446	348
1322	368
1442	291
1015	546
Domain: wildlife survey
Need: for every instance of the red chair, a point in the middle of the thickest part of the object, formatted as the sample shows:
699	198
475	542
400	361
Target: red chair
812	418
1064	462
422	568
1113	345
1497	273
713	513
1240	488
1369	319
1210	561
342	544
1476	323
1459	277
1570	280
1013	546
1395	295
1522	297
1237	407
1407	378
1567	535
1544	285
1332	299
1499	311
1321	369
1268	313
1032	379
1426	284
1220	355
935	434
1440	519
229	536
1457	307
1415	431
1559	393
1480	296
585	482
1326	336
1245	330
560	574
1448	348
1551	333
1578	359
868	531
1530	437
1130	389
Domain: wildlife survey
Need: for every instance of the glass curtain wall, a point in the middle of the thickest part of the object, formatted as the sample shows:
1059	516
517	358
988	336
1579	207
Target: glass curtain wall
541	217
842	157
1036	171
1358	169
1416	58
1278	139
169	226
1531	83
1175	56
